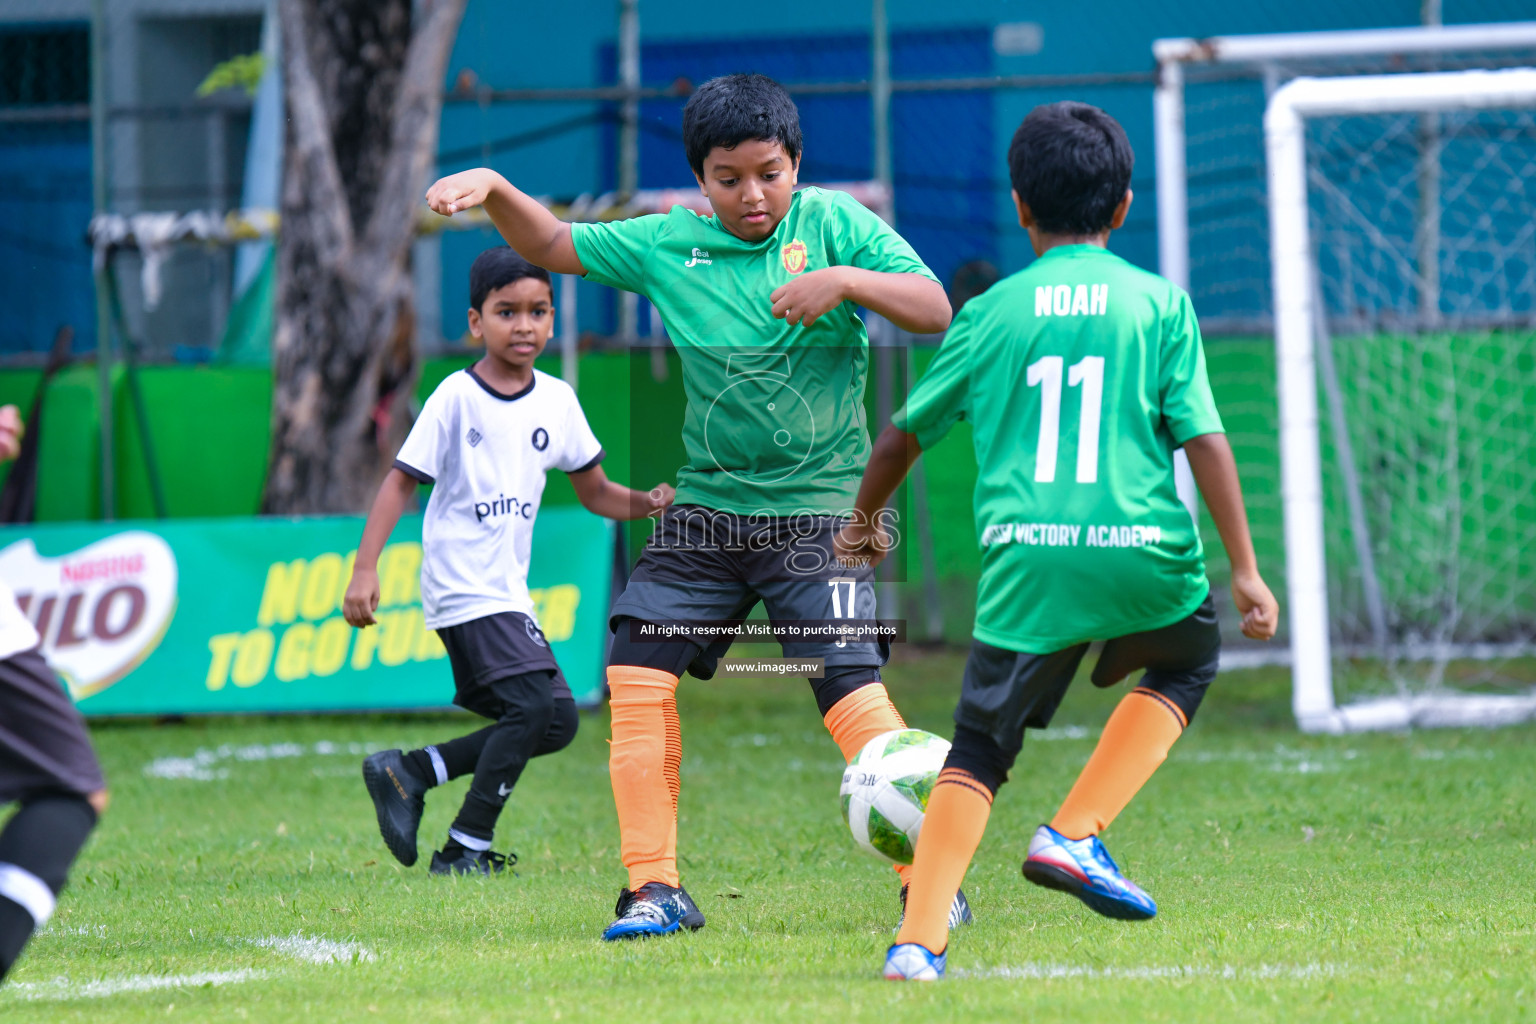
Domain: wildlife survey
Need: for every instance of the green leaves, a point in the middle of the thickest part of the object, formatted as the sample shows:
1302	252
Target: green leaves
236	73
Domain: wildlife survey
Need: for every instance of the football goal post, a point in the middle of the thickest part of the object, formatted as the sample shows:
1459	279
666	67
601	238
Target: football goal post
1411	546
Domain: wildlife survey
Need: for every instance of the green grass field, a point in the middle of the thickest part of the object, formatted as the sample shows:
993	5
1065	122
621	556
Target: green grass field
239	876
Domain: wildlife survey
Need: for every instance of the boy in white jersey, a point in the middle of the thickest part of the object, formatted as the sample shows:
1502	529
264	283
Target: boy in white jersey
46	765
484	440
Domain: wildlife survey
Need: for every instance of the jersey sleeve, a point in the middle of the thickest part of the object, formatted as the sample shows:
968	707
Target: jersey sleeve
580	450
1184	389
861	239
421	456
942	397
615	252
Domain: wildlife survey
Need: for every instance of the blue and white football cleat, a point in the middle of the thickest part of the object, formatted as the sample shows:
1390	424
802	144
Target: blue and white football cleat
908	961
1085	869
959	910
653	909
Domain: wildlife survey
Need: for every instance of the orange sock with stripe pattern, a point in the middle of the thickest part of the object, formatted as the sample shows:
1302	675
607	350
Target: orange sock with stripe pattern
644	757
957	816
1136	740
858	718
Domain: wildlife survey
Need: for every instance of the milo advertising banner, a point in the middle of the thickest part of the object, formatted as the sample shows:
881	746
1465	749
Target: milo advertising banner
244	615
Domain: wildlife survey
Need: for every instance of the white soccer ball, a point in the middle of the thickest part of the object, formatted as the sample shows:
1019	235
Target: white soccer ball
885	791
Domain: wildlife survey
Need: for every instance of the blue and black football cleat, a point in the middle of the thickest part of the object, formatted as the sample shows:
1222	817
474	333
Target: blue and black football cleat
397	799
1085	869
653	909
908	961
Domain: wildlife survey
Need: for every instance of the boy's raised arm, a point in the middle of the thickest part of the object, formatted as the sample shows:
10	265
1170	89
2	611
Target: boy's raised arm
1210	458
362	597
536	234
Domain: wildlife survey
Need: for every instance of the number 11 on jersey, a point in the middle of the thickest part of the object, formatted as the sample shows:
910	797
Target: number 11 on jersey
1045	373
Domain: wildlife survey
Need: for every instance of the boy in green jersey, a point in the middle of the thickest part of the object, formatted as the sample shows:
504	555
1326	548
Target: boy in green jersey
760	300
1080	376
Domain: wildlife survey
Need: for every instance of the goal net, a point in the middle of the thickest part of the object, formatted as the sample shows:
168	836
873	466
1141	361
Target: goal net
1402	252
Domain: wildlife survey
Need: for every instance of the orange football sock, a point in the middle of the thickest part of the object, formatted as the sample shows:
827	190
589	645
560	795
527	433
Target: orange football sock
957	816
858	718
1136	739
643	761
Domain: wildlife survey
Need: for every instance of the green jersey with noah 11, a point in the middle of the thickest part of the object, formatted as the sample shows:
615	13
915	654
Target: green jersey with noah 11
775	419
1080	375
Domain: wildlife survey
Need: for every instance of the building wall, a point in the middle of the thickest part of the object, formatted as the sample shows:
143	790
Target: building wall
159	49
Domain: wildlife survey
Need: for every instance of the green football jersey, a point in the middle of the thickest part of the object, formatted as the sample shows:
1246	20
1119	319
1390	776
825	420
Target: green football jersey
775	419
1080	376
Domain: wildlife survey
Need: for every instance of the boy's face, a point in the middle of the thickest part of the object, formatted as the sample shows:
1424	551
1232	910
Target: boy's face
515	322
749	187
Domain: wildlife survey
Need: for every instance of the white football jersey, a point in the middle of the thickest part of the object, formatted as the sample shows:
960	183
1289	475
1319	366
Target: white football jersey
486	454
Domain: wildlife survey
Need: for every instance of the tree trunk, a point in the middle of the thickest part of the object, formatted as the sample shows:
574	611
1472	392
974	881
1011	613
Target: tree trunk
364	94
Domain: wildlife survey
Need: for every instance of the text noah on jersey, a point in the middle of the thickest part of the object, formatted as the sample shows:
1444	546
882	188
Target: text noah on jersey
1067	300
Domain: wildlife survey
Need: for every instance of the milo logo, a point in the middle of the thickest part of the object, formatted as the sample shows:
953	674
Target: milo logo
100	610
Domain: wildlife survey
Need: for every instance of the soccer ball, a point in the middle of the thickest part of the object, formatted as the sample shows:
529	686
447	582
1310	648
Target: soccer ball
885	791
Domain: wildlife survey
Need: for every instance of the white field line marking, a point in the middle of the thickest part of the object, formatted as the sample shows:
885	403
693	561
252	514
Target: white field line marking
1061	732
64	988
1289	760
98	930
1262	972
203	765
315	950
1281	759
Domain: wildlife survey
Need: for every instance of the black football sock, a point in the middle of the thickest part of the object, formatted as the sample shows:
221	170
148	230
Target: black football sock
454	758
37	847
16	927
529	708
420	764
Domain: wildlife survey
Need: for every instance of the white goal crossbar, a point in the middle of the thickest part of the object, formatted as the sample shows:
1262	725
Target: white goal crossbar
1300	453
1175	55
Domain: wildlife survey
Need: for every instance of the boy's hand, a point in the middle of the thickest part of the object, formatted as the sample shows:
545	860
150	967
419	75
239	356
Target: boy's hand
459	192
860	544
362	598
660	497
11	430
810	296
1260	610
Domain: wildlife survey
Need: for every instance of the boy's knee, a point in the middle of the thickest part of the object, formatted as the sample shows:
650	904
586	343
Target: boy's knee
838	683
982	756
562	727
527	701
1185	690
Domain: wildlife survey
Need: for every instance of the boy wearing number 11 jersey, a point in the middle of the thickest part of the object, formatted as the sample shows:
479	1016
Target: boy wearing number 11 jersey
1080	376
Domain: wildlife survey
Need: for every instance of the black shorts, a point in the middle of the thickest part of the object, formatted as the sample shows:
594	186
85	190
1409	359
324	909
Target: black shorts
1005	692
704	567
485	651
43	742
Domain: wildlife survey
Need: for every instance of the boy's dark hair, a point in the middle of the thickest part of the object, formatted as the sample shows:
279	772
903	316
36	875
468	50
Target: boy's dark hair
497	268
731	109
1071	164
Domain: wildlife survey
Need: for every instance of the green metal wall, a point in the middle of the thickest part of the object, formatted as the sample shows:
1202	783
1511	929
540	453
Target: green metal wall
210	432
